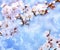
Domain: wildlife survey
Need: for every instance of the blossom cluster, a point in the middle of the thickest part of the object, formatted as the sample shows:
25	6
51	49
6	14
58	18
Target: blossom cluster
18	11
52	43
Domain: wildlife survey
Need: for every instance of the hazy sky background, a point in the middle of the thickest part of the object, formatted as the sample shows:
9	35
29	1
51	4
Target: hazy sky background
32	37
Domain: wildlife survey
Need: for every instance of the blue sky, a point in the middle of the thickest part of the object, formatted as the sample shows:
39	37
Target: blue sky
32	37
